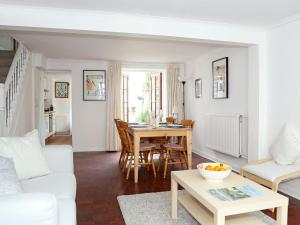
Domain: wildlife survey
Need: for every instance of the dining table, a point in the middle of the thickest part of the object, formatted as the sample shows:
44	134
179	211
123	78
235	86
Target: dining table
144	131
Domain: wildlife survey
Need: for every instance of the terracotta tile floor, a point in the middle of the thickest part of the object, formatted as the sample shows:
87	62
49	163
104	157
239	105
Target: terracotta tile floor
100	181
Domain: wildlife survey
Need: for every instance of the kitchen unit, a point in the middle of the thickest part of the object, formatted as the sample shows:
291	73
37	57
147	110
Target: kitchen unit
49	123
49	114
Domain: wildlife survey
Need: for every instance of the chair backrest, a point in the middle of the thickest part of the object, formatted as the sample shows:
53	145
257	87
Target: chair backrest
125	136
118	129
187	123
170	120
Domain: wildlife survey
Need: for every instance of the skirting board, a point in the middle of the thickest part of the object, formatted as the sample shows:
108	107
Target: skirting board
89	149
286	189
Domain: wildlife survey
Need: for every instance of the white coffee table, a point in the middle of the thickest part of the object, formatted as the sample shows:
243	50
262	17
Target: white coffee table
209	210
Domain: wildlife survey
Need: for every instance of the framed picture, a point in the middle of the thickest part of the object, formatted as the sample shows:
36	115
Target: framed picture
61	89
94	85
220	78
198	88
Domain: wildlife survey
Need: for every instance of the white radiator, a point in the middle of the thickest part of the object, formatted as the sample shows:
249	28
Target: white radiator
226	134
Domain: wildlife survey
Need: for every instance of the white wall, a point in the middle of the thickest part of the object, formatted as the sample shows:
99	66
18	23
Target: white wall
283	92
284	78
237	103
89	117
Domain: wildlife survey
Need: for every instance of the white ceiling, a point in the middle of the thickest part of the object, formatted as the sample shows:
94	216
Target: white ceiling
248	12
75	46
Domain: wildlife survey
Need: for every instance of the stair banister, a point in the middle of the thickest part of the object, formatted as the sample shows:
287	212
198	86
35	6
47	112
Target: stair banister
10	90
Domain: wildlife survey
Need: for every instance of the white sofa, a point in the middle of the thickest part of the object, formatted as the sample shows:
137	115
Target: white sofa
47	200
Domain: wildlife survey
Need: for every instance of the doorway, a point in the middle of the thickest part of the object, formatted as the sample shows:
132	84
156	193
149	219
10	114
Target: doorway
57	106
142	95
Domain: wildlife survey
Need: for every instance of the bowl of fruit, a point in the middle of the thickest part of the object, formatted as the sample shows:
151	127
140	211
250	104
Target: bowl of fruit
214	172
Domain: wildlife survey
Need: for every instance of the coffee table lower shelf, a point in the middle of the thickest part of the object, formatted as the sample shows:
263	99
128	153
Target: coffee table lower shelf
205	217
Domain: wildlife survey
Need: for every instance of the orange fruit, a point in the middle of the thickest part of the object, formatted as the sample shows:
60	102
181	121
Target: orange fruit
216	168
208	167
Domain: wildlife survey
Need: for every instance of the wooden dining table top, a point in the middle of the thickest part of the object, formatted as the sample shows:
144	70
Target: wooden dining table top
160	127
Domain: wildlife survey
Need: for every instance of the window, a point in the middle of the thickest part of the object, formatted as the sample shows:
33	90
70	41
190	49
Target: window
156	93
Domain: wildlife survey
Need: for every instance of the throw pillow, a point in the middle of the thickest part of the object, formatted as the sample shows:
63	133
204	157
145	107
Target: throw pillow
9	183
26	153
286	148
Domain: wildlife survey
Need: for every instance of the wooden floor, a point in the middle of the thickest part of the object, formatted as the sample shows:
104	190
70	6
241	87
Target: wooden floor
59	140
100	181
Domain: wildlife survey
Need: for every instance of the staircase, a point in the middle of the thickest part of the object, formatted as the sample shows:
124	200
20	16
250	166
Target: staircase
12	71
6	58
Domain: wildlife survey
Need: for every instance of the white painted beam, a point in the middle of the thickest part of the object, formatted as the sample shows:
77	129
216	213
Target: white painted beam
87	21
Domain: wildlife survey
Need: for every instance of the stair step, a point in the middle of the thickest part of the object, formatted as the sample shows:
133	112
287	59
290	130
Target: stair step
6	58
5	62
3	73
7	54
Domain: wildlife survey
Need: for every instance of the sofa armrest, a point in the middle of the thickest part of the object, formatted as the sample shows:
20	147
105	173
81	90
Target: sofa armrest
29	209
59	158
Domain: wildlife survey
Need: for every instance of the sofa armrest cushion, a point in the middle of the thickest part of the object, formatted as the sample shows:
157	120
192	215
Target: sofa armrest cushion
59	158
29	209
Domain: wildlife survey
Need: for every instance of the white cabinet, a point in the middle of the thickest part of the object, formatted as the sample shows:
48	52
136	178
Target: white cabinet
46	117
49	124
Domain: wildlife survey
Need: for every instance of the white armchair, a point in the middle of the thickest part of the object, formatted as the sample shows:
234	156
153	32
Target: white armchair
268	173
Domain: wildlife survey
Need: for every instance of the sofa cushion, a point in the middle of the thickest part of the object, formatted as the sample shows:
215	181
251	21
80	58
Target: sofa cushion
62	185
286	148
29	209
271	170
67	211
26	153
9	183
59	158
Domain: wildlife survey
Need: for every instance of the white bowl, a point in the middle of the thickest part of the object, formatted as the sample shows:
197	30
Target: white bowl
214	176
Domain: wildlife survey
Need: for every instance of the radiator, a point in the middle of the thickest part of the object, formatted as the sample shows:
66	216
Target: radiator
226	134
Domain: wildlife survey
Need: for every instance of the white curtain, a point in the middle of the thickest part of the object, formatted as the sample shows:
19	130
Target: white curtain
113	106
174	92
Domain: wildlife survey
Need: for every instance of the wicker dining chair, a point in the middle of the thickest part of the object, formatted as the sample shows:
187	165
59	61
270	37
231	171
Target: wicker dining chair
121	159
146	151
176	153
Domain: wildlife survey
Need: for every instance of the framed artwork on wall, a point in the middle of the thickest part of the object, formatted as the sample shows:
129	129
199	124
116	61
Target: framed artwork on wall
61	89
220	78
94	85
198	88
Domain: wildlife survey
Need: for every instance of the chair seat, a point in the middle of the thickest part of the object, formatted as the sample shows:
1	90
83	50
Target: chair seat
271	170
174	146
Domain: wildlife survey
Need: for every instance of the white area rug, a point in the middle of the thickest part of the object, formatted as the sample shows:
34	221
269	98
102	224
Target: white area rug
155	208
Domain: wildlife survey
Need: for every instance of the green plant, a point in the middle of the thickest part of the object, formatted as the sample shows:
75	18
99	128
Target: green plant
146	85
144	116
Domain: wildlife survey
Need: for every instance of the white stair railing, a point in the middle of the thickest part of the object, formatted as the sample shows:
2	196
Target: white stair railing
10	90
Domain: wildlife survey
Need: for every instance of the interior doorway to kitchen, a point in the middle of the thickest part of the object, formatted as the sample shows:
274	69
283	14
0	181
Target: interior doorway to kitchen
57	105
